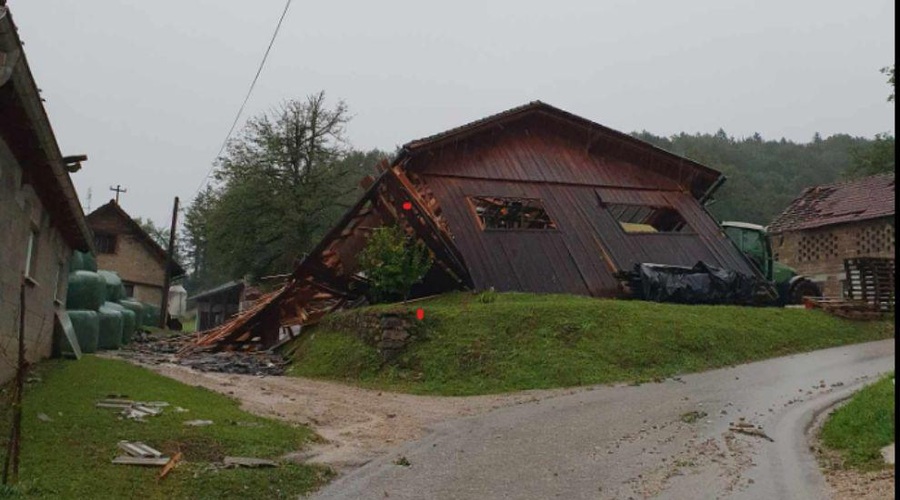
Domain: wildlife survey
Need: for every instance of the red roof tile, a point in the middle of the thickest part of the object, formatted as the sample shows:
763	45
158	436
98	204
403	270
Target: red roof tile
862	199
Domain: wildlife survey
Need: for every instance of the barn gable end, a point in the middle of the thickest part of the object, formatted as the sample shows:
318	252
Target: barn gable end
584	177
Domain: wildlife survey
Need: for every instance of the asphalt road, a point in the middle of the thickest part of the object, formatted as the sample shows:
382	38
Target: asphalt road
662	440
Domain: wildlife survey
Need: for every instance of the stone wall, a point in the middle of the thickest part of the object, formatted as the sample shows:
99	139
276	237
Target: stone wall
148	294
21	212
388	332
819	253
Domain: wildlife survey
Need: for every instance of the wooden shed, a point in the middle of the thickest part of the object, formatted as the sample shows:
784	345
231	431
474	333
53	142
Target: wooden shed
533	199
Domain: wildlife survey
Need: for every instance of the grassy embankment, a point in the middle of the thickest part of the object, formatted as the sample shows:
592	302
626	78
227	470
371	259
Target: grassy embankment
859	429
69	456
527	341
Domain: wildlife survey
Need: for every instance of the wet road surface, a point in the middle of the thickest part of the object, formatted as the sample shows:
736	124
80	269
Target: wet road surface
662	440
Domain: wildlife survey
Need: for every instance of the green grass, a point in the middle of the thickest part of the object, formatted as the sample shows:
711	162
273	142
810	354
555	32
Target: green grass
527	341
189	325
69	457
859	429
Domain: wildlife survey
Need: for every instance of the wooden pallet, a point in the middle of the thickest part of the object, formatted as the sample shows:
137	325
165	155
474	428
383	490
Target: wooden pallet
871	280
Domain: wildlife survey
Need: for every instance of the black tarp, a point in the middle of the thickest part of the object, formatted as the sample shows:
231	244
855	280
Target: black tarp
701	284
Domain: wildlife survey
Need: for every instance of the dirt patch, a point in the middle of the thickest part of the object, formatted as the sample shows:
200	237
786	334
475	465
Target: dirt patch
356	424
851	483
197	448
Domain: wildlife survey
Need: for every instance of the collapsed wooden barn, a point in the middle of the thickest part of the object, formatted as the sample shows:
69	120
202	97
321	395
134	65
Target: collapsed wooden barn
533	199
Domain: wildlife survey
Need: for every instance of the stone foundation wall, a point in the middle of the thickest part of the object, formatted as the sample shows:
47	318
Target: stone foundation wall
388	332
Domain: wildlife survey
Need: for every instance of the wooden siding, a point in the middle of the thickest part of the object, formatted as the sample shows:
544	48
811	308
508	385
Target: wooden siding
531	151
589	245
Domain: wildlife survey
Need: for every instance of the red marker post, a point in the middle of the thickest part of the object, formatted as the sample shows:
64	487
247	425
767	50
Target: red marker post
420	314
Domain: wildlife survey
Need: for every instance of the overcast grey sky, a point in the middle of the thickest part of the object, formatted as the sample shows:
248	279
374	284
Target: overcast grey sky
148	89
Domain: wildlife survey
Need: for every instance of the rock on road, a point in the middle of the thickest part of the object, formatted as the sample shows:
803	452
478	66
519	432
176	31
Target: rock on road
665	440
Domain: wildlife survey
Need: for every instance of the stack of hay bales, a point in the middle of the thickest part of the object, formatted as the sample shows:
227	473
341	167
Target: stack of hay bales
102	316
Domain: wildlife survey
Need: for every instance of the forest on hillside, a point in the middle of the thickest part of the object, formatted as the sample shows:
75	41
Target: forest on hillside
764	176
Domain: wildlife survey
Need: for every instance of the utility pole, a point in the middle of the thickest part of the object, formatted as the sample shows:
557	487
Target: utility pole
118	189
164	305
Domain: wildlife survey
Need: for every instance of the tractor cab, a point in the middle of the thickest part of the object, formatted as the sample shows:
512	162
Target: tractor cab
753	241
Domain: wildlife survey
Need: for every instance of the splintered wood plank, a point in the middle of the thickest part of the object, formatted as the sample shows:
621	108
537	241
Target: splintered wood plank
169	466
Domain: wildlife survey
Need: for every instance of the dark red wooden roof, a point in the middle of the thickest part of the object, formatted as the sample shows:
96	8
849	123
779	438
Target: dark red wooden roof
703	178
863	199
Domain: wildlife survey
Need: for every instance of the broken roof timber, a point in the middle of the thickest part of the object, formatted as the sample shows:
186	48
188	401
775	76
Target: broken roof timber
327	277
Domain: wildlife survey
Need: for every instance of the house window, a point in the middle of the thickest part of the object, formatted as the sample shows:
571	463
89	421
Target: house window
105	243
511	213
647	219
31	254
129	289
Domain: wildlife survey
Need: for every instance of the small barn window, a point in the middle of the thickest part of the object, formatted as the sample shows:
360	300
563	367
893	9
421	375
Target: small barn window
648	219
105	243
511	213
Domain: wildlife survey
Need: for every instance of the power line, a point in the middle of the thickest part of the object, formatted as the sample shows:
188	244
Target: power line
237	117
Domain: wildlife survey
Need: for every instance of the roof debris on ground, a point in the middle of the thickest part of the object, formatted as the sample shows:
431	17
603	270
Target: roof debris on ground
158	349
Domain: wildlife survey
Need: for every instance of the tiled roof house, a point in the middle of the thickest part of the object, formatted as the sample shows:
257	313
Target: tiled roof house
829	223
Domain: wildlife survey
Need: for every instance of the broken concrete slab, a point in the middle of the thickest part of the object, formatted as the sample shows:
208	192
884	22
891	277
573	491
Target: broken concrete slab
127	460
138	449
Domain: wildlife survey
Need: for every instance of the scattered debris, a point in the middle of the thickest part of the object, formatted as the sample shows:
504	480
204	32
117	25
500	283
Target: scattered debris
401	460
751	431
138	412
43	417
198	423
126	460
693	416
138	449
156	349
114	404
248	462
169	466
138	453
134	410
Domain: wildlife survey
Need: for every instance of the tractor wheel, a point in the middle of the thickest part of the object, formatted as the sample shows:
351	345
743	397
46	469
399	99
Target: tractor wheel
803	288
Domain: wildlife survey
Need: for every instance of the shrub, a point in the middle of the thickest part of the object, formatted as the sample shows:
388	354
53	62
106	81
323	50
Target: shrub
393	264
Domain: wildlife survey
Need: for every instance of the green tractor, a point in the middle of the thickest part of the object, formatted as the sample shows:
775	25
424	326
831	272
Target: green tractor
754	241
